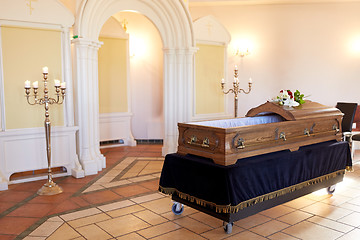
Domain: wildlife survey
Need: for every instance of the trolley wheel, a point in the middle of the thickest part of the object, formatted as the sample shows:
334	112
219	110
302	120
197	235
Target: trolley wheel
177	208
331	189
228	227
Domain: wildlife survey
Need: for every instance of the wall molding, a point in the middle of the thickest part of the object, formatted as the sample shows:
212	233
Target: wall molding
208	30
51	12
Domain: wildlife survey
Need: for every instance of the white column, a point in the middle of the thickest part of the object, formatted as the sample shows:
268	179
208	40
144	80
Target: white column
77	171
67	77
3	182
178	92
85	106
130	141
170	143
95	137
2	92
189	73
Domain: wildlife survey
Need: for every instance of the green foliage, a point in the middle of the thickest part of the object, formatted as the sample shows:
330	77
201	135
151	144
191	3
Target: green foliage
298	97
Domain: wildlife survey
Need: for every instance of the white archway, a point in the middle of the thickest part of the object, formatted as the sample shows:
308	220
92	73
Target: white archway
173	21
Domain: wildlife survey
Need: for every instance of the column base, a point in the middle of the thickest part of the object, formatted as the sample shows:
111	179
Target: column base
77	173
3	186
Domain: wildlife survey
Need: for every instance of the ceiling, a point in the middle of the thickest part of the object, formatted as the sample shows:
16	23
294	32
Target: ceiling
248	2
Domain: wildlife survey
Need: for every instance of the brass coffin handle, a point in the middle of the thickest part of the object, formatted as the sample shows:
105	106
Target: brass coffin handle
282	136
204	144
241	143
193	139
307	132
335	127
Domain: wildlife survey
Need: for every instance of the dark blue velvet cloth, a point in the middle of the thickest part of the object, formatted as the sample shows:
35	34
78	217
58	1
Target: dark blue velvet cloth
254	176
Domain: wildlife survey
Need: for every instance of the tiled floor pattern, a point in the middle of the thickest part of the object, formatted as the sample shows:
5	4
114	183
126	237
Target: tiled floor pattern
104	207
130	170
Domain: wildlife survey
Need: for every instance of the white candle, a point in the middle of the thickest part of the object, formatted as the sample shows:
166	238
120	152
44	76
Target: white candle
63	85
250	80
35	84
222	80
236	67
27	84
57	83
45	70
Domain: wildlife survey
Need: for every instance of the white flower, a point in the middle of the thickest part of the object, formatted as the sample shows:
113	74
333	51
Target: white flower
291	103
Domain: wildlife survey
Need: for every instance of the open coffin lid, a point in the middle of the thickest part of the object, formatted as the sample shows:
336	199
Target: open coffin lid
266	128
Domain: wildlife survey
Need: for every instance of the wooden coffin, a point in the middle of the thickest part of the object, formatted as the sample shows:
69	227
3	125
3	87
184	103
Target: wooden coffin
266	128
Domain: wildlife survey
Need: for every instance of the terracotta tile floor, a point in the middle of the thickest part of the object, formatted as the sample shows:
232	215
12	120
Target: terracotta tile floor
122	202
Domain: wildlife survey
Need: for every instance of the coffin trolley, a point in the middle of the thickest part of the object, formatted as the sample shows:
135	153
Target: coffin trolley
231	169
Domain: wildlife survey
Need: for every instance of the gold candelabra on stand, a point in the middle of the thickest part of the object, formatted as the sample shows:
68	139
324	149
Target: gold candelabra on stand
236	89
50	187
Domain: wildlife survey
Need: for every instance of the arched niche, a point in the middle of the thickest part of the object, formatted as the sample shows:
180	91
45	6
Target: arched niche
174	24
114	84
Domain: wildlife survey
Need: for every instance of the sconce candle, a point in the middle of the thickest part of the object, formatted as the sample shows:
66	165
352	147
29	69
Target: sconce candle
35	84
45	70
222	80
57	83
250	80
63	85
27	84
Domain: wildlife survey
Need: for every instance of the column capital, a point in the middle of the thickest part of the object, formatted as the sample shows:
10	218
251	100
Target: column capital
87	42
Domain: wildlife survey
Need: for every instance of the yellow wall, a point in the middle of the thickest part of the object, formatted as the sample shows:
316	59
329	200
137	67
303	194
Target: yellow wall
113	75
25	51
209	70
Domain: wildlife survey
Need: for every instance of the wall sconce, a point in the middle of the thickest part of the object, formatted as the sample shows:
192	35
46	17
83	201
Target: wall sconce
242	47
137	46
124	24
242	53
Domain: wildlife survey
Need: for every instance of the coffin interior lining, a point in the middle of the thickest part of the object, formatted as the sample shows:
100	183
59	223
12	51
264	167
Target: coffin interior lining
239	122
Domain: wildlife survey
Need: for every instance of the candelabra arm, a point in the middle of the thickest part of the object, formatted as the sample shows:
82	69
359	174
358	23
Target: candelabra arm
244	91
60	99
27	92
31	103
228	91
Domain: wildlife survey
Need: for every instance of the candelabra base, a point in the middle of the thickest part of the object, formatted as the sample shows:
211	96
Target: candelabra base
50	188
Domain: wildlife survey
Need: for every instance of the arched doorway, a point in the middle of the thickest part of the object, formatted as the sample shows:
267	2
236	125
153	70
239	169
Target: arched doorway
130	66
173	21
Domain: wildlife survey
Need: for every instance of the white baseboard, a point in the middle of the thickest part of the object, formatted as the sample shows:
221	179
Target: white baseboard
114	126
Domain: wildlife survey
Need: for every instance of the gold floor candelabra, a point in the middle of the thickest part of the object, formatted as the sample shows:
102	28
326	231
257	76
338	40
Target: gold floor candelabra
50	187
236	89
